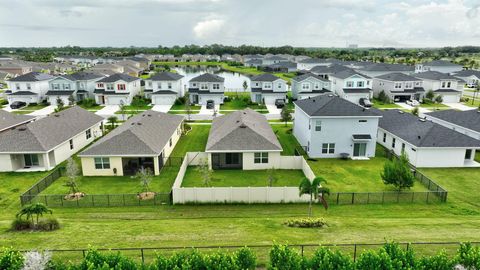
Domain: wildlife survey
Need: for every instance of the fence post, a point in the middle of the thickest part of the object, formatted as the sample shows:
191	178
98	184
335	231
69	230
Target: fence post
302	250
108	199
143	257
93	200
354	252
83	253
353	197
77	202
408	246
45	198
413	195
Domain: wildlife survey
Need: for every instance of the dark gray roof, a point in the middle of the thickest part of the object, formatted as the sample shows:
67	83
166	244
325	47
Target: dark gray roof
397	77
320	60
348	73
284	64
254	61
440	63
335	68
468	119
23	93
330	105
49	132
85	76
447	90
32	77
9	120
275	58
166	76
434	75
59	92
421	133
119	76
265	77
356	90
387	67
207	77
145	134
308	75
164	92
467	73
244	130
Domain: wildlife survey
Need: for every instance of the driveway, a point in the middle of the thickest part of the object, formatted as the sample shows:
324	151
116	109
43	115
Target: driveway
8	109
459	106
108	110
272	109
43	112
205	111
162	108
421	111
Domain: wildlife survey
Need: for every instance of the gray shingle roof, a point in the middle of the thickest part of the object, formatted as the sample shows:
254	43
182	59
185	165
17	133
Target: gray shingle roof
119	76
422	133
244	130
265	77
85	76
397	77
32	77
467	73
166	76
308	75
59	92
330	105
434	75
468	119
335	68
49	132
348	73
387	67
440	63
9	120
208	77
23	93
145	134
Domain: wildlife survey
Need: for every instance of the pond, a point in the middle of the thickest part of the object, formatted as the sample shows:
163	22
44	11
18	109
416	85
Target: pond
233	80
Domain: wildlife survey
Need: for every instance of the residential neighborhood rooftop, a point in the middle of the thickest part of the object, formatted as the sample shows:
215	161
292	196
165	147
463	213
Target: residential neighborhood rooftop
348	73
9	120
166	76
468	119
32	77
440	63
308	75
119	77
435	75
265	77
397	77
208	77
331	105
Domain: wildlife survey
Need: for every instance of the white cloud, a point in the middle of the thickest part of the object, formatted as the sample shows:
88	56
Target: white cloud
208	28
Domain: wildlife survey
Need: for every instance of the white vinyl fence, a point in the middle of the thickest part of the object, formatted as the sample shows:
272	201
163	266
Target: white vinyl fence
182	195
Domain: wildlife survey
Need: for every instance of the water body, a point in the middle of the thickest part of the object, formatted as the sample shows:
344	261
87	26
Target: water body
233	80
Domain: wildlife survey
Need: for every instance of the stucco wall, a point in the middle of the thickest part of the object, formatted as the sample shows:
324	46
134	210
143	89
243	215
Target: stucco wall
248	161
88	167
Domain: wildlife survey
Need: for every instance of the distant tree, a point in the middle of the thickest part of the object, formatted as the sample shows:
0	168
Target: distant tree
123	109
439	99
145	175
285	115
112	120
314	188
397	172
72	175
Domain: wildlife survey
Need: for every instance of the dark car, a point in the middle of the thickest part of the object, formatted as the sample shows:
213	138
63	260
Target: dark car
18	104
210	104
365	102
280	103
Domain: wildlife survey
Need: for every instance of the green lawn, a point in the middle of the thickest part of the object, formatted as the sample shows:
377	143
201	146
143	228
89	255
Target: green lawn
477	156
240	103
381	105
183	107
286	138
434	106
94	108
240	178
12	185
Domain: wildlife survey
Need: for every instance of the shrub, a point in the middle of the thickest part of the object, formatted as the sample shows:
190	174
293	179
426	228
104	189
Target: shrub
180	101
437	262
246	259
227	99
374	260
399	256
3	102
87	103
439	99
11	259
306	222
96	260
20	224
326	259
427	101
468	256
221	261
382	97
415	111
140	101
49	224
282	257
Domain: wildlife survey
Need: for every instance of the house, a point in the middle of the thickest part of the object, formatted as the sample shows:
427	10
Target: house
100	68
427	144
29	88
398	87
326	71
285	66
442	84
266	88
327	126
274	59
11	120
465	122
379	69
309	63
470	76
117	89
351	85
309	85
164	88
79	85
206	87
242	140
439	66
143	141
253	63
43	144
15	67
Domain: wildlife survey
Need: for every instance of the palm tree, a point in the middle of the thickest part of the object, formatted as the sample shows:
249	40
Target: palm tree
37	210
314	188
112	120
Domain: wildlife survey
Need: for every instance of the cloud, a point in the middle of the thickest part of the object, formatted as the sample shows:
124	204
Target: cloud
208	28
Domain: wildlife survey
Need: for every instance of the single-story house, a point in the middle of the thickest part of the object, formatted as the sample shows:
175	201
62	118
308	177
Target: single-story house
143	141
466	122
11	120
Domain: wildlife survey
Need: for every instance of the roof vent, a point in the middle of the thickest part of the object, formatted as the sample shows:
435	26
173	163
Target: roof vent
243	125
419	137
422	120
133	124
22	129
149	115
56	115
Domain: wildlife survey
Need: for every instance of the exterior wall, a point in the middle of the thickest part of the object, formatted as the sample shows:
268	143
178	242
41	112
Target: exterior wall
88	167
38	87
6	163
163	85
248	161
63	84
300	127
355	98
311	83
202	99
389	88
468	132
26	99
13	162
339	84
118	100
209	85
276	86
53	100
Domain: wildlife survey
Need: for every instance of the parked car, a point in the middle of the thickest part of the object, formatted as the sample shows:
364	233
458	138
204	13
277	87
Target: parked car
210	104
413	103
365	102
280	103
17	105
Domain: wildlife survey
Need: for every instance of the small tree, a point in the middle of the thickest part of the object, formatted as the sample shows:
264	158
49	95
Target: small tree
314	188
439	99
31	210
272	176
112	120
71	100
382	97
60	104
123	109
145	175
415	111
397	173
72	175
430	95
205	172
285	115
245	86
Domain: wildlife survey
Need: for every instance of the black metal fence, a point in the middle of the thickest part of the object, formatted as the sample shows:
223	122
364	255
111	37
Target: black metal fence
40	186
342	198
100	200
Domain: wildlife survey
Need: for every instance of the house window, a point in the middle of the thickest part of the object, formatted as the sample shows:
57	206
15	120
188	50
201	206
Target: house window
260	157
204	86
398	85
414	150
194	85
279	85
267	85
150	83
393	142
328	148
29	87
368	82
308	146
121	86
88	133
318	125
305	86
102	163
349	84
99	85
449	84
384	137
362	121
81	86
418	83
110	86
56	86
170	142
169	85
409	85
360	84
71	144
316	86
216	86
444	84
66	86
17	86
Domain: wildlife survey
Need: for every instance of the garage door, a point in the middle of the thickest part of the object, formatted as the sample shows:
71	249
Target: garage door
163	100
115	100
450	98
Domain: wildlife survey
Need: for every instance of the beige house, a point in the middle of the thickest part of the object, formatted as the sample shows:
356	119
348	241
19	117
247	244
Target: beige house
43	144
243	140
144	141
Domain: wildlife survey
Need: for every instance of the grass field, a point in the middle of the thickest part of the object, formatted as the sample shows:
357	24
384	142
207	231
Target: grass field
286	138
239	178
381	105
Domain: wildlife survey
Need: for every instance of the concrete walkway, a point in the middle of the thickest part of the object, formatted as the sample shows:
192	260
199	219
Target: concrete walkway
205	111
108	110
421	111
43	112
162	108
459	106
272	109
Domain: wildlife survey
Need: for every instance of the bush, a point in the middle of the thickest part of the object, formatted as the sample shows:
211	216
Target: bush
140	101
20	225
180	101
282	257
306	222
3	102
49	224
11	259
415	111
96	260
326	259
427	101
468	256
87	103
382	97
246	259
227	99
437	262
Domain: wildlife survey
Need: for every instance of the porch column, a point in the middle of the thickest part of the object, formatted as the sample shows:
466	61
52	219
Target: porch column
209	161
46	161
155	166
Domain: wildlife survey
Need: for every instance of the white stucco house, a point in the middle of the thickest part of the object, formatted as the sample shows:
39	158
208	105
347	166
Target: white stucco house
465	122
242	140
164	88
143	141
326	71
266	88
43	144
29	88
398	87
351	85
442	66
117	89
309	85
206	87
79	85
449	87
379	69
470	76
427	144
327	126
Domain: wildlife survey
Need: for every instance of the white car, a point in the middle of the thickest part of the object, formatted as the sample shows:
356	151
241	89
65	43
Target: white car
413	103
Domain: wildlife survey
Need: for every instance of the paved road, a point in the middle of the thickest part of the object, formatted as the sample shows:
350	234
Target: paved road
108	110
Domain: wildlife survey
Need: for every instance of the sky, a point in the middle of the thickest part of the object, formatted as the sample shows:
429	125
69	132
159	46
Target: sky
300	23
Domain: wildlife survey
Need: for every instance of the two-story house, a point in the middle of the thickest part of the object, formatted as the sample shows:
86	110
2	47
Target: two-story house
206	87
117	89
351	85
328	126
398	87
267	88
442	84
470	76
309	85
79	85
326	71
379	69
164	88
28	88
438	65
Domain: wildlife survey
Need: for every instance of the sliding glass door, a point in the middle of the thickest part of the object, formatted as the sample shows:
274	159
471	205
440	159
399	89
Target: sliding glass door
359	149
31	160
